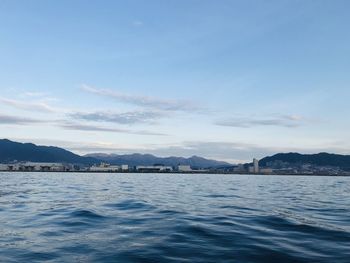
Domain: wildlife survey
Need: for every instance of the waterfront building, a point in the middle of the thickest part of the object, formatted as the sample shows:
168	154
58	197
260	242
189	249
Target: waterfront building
251	169
184	168
105	167
256	165
265	170
125	167
34	167
239	168
4	167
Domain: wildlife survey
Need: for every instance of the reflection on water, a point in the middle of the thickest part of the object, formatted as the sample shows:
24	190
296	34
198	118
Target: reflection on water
53	217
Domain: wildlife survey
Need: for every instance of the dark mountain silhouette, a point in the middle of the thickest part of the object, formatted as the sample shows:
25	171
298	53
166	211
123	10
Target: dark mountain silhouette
15	151
321	159
148	159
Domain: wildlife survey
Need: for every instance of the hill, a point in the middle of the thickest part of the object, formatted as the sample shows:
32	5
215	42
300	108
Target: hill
15	151
148	159
320	159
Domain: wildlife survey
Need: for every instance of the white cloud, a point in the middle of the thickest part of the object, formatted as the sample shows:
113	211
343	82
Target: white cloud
137	23
288	121
34	94
17	120
132	117
99	128
144	101
38	106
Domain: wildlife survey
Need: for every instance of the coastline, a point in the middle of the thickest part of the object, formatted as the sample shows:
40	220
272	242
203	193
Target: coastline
175	172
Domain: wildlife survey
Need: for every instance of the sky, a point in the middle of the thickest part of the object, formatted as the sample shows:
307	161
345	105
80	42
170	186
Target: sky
227	80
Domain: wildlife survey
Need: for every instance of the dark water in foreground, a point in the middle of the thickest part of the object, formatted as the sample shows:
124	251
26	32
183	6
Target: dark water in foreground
52	217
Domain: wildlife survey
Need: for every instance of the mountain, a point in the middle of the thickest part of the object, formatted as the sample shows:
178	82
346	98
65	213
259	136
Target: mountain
321	159
148	159
11	151
15	151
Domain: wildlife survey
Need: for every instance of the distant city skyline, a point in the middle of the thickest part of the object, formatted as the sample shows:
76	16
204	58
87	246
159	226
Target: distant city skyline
226	80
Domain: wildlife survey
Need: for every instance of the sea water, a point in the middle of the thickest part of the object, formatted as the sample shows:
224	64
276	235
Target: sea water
82	217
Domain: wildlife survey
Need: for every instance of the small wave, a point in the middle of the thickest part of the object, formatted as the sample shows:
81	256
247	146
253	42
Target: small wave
132	205
170	212
236	207
86	214
299	227
222	196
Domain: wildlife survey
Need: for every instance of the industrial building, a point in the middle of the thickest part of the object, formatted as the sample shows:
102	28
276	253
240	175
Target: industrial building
35	167
105	167
184	168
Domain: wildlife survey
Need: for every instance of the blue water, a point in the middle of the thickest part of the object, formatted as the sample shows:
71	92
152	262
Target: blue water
66	217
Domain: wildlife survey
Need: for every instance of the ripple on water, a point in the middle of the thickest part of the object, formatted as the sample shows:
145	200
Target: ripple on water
86	214
132	205
195	218
81	219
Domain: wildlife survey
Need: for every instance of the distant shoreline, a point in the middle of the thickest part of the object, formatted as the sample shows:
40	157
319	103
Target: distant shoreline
174	172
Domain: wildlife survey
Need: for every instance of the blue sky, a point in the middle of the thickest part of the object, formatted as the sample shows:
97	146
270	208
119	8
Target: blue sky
229	80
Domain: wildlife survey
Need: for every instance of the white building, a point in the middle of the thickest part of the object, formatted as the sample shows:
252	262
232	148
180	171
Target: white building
4	167
125	167
266	170
256	165
184	168
34	167
105	167
42	167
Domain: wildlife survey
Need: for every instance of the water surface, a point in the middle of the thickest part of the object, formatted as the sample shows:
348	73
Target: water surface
68	217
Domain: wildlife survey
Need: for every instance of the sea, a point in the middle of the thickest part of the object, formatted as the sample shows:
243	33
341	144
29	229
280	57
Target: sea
82	217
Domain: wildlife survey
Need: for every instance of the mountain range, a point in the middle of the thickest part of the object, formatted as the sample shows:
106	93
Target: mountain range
148	159
14	151
320	159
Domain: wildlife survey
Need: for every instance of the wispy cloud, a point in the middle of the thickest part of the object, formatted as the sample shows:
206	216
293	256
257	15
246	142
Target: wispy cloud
33	94
98	128
24	121
234	152
15	120
137	23
144	101
288	121
239	152
39	106
132	117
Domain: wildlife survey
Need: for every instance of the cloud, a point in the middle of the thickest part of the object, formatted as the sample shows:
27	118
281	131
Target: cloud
96	128
233	152
121	118
18	120
31	106
288	121
34	94
137	23
239	152
15	120
144	101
